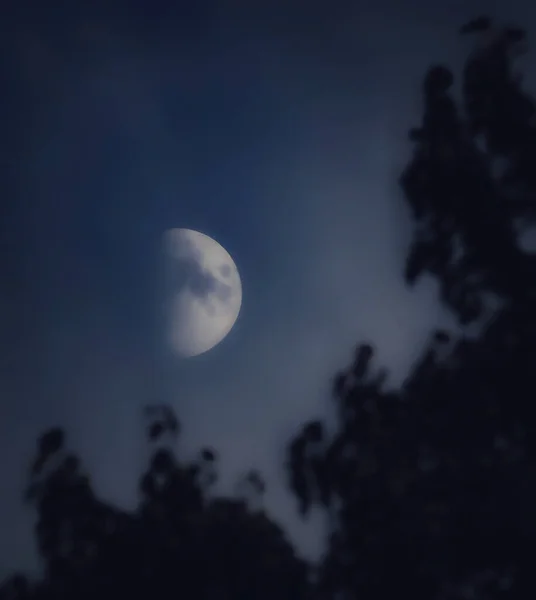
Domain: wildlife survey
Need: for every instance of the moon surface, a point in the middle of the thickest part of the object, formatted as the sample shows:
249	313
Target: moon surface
204	292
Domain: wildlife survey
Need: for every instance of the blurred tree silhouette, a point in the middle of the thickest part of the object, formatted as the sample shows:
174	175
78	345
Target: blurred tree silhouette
431	489
180	543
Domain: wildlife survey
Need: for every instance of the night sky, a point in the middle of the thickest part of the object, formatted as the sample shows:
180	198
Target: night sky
277	128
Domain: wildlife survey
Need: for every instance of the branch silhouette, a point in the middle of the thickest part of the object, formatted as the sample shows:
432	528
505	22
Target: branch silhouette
180	542
429	489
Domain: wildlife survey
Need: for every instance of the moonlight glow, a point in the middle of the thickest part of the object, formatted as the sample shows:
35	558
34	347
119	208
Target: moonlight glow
204	292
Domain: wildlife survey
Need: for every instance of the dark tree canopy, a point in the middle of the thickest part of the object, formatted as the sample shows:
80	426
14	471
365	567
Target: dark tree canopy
180	543
430	489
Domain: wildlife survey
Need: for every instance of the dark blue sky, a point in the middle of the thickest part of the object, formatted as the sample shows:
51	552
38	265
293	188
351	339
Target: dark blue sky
279	129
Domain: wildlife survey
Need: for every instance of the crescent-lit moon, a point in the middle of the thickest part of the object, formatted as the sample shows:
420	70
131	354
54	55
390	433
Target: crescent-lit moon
204	292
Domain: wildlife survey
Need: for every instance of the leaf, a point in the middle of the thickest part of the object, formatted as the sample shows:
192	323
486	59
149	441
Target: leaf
363	356
51	441
314	431
155	431
208	455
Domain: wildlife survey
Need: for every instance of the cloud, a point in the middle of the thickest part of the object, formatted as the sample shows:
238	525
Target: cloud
312	210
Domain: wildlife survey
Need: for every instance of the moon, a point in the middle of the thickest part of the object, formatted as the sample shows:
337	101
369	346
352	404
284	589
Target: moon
204	292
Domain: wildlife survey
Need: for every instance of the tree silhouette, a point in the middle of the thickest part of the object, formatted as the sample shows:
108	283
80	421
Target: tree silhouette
431	489
180	543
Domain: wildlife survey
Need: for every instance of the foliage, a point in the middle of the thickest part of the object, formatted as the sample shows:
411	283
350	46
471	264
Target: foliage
431	489
180	542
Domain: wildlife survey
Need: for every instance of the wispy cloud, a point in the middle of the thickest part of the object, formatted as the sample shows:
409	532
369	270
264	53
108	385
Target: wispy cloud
309	201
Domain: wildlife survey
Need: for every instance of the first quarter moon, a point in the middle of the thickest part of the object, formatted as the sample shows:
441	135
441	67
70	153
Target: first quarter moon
203	292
